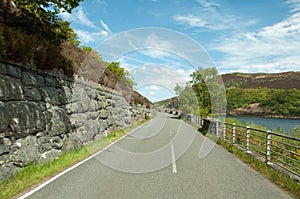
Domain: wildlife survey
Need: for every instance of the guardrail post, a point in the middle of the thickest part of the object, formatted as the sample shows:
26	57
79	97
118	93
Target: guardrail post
233	133
248	139
224	130
268	147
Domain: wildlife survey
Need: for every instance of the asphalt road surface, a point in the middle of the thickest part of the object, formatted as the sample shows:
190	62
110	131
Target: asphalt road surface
166	158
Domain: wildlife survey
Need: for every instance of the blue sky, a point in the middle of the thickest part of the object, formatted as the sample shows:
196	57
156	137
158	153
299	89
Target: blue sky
237	36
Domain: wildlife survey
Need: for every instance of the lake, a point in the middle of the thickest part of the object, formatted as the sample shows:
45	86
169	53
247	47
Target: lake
271	123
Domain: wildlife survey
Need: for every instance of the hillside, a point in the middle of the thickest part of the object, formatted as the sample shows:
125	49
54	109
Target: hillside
88	67
50	43
261	94
286	80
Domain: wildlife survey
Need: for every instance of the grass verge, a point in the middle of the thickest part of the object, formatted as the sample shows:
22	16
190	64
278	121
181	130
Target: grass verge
278	178
33	175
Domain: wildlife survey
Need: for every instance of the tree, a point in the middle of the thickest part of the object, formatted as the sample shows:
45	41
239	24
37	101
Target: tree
40	17
210	91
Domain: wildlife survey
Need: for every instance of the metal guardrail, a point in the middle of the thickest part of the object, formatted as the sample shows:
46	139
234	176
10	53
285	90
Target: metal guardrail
277	150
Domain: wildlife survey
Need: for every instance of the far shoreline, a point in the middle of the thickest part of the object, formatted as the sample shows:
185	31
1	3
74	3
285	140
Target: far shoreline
264	116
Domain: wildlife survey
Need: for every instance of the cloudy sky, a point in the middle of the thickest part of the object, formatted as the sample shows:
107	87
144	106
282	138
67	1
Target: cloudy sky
235	35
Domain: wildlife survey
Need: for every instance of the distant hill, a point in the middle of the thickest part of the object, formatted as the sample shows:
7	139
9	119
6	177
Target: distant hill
286	80
278	98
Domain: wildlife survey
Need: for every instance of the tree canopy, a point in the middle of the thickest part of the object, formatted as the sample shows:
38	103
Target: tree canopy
40	17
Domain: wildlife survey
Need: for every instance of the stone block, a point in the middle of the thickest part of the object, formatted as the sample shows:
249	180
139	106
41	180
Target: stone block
51	81
8	171
13	71
28	79
32	94
71	144
10	88
49	156
59	122
50	95
27	153
23	118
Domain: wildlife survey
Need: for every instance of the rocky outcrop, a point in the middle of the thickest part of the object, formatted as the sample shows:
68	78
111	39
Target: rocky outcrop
44	113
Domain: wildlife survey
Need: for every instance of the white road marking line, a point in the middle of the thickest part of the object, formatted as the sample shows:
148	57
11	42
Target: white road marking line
174	168
74	166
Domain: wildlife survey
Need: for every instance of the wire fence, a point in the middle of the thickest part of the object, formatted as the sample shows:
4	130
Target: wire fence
278	150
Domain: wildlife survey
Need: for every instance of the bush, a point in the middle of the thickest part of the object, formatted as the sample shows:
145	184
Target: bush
18	46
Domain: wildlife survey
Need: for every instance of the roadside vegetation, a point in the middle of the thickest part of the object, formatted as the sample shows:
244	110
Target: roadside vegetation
33	175
33	33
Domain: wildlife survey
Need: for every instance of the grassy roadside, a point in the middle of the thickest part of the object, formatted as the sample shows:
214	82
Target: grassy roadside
278	178
33	175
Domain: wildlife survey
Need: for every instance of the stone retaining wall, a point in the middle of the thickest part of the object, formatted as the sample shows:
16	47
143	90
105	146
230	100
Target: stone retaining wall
44	113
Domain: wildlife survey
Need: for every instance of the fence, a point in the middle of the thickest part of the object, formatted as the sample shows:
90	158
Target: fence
277	150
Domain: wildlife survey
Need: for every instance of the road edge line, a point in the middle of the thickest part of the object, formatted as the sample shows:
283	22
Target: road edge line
27	194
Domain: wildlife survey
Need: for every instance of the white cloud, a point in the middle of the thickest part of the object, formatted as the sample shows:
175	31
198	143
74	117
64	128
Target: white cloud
89	37
191	20
81	16
154	87
207	4
84	36
105	26
272	48
152	93
295	5
101	2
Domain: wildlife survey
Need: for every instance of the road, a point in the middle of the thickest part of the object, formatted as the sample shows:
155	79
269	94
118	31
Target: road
162	159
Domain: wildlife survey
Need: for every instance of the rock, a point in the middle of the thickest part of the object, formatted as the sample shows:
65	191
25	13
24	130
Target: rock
13	71
103	114
103	125
5	145
88	131
28	79
59	122
23	118
56	142
66	95
50	95
8	171
77	119
2	69
27	153
51	82
3	117
92	115
32	94
10	88
110	120
71	144
44	144
49	156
